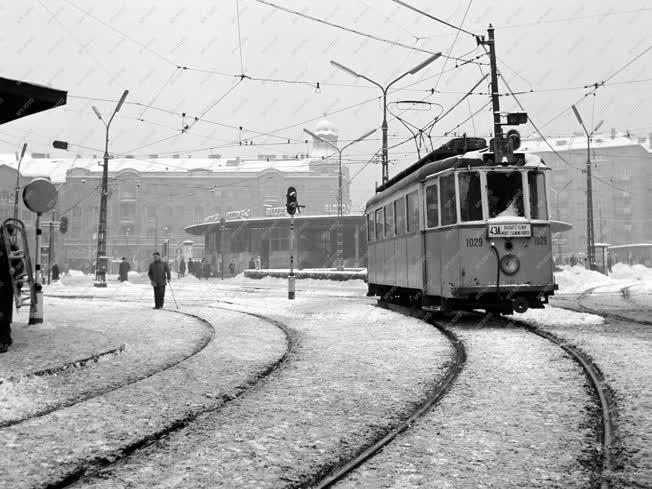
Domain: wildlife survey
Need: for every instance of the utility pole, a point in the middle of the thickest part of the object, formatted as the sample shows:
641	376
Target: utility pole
590	235
101	263
50	247
495	98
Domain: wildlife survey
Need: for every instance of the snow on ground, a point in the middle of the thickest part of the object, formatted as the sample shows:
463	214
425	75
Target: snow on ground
577	279
516	417
49	448
556	316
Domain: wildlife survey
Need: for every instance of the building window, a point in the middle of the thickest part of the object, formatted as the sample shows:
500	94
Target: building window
470	196
379	224
432	206
280	239
412	211
399	216
448	200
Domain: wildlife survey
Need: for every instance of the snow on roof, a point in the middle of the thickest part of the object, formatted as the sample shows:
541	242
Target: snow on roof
598	141
56	168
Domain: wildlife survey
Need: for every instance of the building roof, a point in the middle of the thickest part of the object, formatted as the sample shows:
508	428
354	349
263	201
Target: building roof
56	168
205	227
598	141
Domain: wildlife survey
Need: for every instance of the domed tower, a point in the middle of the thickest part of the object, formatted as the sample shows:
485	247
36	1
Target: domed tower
326	130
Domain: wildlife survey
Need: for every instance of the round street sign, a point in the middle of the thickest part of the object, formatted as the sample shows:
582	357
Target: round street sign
40	195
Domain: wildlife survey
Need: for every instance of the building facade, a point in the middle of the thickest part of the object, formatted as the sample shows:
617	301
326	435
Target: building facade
152	200
621	182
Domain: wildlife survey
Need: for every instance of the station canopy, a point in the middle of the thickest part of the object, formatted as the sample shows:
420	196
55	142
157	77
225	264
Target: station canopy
19	99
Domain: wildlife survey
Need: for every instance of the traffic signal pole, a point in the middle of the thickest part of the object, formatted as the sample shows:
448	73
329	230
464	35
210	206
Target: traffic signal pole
495	98
291	274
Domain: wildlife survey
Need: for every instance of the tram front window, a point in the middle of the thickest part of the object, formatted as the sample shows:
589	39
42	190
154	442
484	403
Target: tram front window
536	183
470	196
505	194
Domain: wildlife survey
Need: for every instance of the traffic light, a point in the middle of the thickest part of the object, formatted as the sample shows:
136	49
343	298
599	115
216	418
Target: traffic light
63	225
515	138
291	203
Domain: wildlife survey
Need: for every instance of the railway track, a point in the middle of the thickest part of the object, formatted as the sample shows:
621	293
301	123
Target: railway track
92	466
599	389
624	293
332	475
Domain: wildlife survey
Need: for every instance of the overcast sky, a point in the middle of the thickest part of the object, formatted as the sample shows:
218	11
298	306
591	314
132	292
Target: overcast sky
97	49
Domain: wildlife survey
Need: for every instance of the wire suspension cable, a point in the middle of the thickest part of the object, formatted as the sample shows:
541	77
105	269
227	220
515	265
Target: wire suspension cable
433	17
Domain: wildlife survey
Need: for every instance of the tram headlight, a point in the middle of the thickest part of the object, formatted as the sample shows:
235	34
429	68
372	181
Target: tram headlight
510	264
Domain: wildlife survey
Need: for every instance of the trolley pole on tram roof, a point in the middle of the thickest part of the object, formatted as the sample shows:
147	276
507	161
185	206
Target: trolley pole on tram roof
495	98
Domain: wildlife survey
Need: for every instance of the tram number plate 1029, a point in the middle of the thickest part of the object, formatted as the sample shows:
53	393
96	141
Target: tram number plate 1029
510	231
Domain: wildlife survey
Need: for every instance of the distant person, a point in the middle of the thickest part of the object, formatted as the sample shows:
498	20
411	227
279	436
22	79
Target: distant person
610	262
205	269
123	271
573	260
252	263
191	266
257	263
232	268
55	272
182	268
159	276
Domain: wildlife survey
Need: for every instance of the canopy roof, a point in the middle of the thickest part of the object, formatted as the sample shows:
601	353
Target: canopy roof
20	99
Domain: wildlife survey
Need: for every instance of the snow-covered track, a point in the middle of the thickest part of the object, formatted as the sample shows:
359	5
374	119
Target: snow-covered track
107	390
93	466
599	389
611	313
435	394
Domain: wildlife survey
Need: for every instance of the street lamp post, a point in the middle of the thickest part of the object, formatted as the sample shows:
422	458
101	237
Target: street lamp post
340	243
100	271
590	236
20	160
416	69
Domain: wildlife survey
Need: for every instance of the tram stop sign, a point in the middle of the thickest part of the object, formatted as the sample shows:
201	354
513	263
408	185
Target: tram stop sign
40	195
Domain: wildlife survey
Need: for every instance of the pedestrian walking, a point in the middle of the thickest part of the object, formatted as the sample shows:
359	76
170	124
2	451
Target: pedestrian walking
182	268
232	268
55	272
252	263
573	260
257	262
124	270
205	269
610	262
191	266
159	276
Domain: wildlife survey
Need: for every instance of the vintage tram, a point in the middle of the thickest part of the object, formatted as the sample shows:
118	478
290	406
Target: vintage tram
458	231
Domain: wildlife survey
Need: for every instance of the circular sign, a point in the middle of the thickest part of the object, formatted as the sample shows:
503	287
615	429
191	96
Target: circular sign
40	195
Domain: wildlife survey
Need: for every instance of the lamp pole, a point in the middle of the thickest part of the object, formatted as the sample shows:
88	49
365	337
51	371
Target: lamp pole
100	271
340	242
416	69
590	234
20	160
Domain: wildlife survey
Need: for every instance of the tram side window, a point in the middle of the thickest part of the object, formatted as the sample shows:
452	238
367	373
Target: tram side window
370	227
470	196
536	183
432	206
412	211
448	200
389	221
505	194
379	224
399	216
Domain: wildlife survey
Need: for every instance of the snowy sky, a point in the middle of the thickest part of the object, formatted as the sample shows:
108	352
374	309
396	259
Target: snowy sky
543	45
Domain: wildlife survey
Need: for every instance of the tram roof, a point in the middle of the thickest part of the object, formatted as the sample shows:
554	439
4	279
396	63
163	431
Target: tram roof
423	169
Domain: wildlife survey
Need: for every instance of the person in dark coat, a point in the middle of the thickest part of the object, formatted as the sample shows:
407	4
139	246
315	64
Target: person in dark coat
191	266
252	263
182	268
124	270
55	272
232	268
205	269
6	298
159	276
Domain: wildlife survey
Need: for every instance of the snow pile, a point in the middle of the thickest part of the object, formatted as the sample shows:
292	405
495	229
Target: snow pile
309	274
631	272
577	279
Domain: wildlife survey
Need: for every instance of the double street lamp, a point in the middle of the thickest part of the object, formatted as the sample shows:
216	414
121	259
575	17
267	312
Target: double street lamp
590	235
102	260
340	245
413	71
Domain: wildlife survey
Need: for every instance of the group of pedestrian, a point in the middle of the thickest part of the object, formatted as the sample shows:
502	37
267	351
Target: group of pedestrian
254	263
